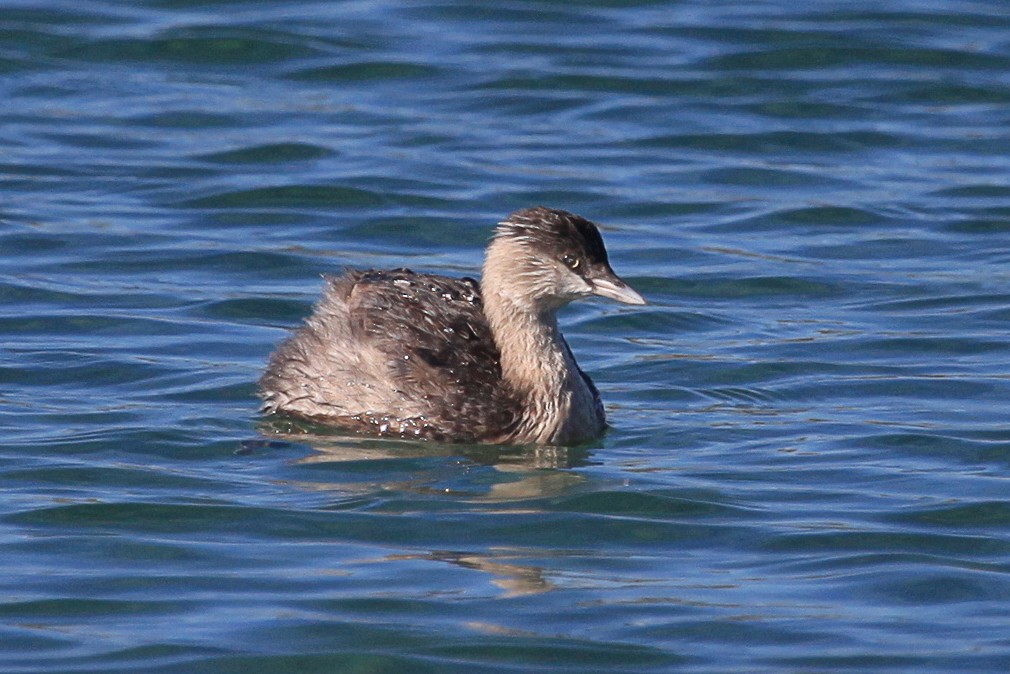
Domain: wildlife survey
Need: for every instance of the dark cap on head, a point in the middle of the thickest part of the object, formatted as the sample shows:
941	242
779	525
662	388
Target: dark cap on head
557	232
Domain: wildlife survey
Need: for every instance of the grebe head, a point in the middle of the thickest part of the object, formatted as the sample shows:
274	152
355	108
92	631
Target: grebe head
546	258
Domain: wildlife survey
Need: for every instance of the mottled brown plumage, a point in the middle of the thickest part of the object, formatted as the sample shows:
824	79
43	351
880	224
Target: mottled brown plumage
401	354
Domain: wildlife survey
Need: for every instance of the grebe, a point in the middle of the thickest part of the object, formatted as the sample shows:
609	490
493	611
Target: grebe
400	354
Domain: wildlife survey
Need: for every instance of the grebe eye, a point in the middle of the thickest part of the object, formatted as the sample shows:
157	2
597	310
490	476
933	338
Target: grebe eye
571	262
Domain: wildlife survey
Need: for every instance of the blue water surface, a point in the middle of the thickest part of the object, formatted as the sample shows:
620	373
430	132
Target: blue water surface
809	465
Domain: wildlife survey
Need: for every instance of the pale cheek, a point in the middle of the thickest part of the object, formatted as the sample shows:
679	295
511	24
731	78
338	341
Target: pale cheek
574	285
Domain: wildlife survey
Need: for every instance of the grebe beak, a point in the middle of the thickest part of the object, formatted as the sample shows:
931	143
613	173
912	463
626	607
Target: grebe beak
612	287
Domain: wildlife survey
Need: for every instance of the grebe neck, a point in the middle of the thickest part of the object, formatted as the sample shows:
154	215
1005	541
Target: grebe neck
558	405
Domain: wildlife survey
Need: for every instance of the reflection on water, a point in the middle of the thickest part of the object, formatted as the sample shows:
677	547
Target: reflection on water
524	472
515	579
331	444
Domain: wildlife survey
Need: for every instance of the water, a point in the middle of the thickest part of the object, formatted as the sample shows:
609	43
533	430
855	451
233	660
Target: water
808	470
